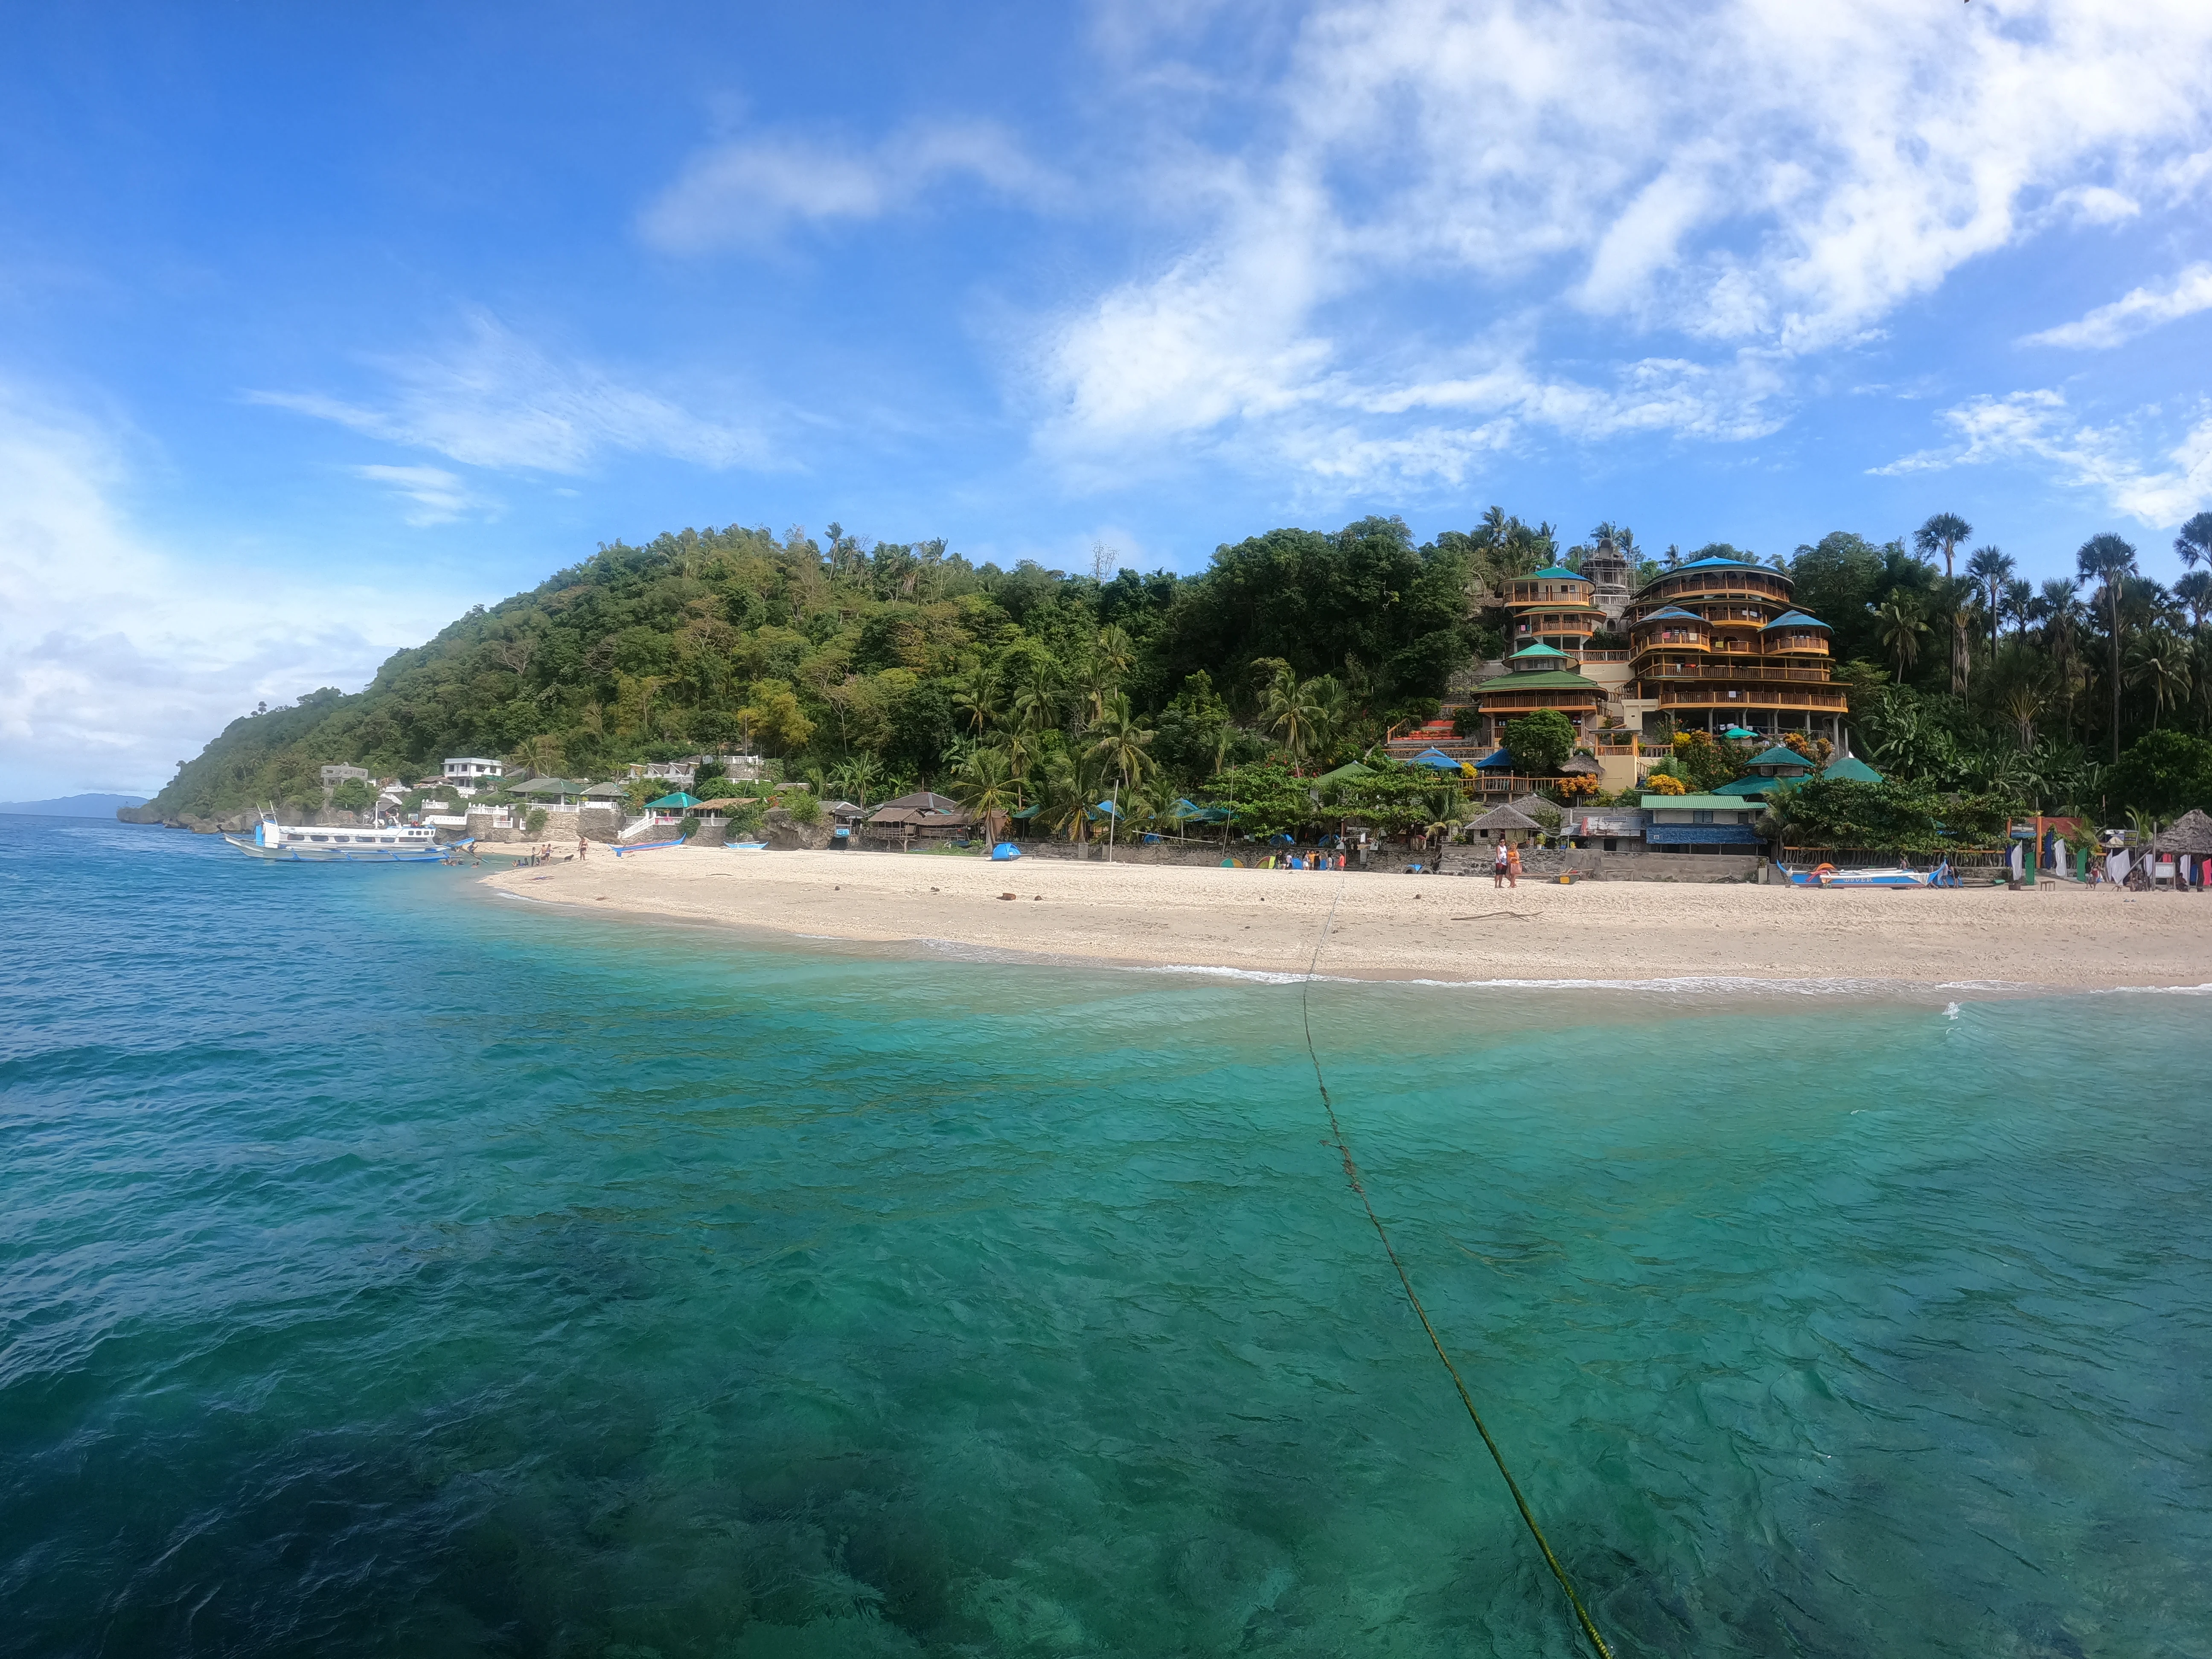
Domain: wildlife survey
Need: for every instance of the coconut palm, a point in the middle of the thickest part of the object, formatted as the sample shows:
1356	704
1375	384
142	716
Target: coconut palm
976	695
2194	541
1898	624
2019	606
1957	601
1942	533
1119	744
2107	559
984	782
1291	709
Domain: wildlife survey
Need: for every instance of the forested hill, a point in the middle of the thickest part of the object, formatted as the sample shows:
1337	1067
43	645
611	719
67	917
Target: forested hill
886	663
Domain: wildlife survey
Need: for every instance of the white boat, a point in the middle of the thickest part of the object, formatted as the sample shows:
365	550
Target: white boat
379	843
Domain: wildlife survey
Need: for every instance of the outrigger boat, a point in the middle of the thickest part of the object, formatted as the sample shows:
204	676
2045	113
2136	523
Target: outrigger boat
380	843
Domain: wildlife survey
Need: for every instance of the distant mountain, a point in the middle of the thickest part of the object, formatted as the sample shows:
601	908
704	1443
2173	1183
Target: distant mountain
73	807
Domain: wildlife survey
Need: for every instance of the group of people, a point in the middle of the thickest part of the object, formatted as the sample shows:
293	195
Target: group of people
1308	861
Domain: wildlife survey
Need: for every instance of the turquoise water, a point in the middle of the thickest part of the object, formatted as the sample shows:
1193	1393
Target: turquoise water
386	1268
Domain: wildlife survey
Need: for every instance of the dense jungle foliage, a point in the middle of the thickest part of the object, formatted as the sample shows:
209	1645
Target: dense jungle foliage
874	667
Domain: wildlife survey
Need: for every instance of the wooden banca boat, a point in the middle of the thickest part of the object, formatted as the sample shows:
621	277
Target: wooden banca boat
378	843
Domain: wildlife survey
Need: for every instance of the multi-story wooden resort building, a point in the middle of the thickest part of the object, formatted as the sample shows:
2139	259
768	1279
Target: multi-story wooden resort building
1718	642
1553	607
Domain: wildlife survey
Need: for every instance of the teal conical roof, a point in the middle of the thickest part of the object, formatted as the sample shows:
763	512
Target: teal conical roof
1852	769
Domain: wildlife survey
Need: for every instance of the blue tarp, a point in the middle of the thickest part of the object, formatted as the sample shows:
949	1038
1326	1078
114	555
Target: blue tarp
1499	760
1703	834
1437	758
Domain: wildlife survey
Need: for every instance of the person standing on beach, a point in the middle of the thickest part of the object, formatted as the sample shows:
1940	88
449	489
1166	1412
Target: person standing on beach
1513	868
1497	863
583	848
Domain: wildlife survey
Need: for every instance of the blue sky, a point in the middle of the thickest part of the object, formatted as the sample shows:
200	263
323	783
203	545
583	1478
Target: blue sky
318	324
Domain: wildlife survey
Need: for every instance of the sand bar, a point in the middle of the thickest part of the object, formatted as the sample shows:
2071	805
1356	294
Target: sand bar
1398	926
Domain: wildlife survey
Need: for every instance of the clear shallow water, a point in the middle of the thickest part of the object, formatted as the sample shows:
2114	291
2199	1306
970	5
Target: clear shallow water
386	1268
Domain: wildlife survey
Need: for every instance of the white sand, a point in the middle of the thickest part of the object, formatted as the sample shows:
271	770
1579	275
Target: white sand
1400	926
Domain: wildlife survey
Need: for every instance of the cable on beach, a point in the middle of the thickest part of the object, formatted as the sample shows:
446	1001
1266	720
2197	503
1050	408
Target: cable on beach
1351	1175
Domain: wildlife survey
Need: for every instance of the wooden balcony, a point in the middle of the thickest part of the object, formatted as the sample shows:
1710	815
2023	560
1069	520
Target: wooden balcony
1750	696
1751	668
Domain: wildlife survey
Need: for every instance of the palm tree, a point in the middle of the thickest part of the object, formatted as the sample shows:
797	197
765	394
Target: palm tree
2107	559
2020	605
1992	568
2160	660
1290	709
2194	541
2195	591
1942	533
976	695
1957	601
1119	744
985	784
1898	622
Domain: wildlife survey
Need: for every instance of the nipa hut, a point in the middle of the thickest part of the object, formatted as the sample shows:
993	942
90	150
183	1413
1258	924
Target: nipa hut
2190	833
1506	820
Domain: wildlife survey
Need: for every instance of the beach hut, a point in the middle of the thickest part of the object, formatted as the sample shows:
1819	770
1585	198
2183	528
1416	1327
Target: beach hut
2182	850
1509	820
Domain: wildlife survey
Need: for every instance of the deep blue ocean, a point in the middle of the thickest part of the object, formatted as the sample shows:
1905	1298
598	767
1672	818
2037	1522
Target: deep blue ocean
390	1267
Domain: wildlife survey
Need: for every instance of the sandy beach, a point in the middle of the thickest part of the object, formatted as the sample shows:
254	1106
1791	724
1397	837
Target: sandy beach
1400	926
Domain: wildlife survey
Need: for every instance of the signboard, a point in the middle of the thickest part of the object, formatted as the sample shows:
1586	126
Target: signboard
2023	832
1628	823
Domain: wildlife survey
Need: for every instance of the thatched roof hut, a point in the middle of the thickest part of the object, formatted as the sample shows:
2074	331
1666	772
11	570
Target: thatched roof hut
1508	818
2190	833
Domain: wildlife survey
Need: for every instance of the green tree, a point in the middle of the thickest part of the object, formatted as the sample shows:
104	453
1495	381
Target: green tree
2164	772
1540	742
1119	744
1898	624
352	795
2194	543
1264	798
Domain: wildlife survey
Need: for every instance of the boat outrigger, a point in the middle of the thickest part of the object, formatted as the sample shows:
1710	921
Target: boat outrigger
1826	875
379	843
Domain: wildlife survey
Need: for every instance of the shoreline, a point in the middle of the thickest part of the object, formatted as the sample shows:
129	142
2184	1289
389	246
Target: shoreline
1448	930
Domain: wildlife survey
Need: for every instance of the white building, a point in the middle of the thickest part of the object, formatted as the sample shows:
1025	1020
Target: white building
335	775
468	773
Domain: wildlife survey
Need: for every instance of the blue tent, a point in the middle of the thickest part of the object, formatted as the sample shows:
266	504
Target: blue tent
1437	758
1005	850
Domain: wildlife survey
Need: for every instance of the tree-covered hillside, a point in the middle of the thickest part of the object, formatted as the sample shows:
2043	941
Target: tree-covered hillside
876	666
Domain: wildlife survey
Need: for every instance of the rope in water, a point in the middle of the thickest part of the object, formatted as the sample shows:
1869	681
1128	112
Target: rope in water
1351	1175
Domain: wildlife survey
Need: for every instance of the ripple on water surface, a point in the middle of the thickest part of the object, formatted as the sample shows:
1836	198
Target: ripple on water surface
388	1271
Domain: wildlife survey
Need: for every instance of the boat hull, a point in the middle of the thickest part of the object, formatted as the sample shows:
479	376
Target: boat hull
360	854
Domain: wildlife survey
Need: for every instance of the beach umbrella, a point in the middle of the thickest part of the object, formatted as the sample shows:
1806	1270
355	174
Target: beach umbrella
680	801
1737	734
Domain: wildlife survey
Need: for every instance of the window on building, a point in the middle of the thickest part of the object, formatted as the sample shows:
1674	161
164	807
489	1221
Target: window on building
1701	816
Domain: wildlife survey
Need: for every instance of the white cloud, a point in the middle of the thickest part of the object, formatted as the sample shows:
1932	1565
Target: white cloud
2136	312
2161	491
439	497
117	659
494	400
751	192
1749	176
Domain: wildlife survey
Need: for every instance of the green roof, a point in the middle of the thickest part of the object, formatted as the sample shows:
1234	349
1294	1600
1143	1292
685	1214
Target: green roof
1536	648
1852	769
1559	680
1755	784
1346	772
1696	803
680	799
1781	755
1556	572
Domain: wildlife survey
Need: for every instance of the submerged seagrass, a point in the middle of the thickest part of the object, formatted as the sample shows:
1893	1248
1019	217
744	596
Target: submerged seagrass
388	1268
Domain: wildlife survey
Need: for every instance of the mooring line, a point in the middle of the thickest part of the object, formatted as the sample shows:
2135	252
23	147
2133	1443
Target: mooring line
1351	1175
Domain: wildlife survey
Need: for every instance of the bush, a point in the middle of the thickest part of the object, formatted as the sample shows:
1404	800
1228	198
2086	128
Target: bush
803	808
1889	817
1664	783
352	795
535	823
1706	764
